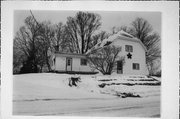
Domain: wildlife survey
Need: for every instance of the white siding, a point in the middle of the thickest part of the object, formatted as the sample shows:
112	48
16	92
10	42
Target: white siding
138	56
76	66
60	64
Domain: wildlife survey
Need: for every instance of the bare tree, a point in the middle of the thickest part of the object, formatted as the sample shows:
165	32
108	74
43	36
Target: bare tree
45	39
115	30
71	30
141	29
105	59
59	36
144	31
98	38
26	42
81	28
32	44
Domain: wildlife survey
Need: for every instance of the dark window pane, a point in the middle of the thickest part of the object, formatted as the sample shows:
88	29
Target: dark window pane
83	62
136	66
128	48
69	62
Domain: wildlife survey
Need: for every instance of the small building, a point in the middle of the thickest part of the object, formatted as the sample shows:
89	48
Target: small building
66	62
132	49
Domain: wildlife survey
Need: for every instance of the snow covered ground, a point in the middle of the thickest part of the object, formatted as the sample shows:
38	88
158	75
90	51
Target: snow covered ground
95	95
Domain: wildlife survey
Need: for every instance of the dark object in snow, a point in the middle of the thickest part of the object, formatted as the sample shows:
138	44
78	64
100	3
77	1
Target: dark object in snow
74	80
124	95
102	85
129	95
129	56
129	84
148	79
150	84
107	43
107	79
142	79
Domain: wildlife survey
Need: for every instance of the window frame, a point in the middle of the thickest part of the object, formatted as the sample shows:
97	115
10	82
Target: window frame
136	66
128	48
83	62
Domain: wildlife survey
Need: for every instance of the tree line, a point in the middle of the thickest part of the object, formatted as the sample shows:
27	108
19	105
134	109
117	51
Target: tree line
35	41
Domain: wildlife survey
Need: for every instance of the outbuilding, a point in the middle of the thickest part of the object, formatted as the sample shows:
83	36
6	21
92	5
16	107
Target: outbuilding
67	62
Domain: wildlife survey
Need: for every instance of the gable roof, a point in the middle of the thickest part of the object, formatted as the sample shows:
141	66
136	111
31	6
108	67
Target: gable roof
132	38
123	33
120	35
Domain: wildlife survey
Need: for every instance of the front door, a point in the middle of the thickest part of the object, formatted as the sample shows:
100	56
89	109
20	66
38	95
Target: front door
68	64
119	67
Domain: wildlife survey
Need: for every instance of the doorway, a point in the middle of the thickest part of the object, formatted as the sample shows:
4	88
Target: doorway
119	67
68	64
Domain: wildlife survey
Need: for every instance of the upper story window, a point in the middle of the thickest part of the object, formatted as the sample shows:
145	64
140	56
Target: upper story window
83	62
129	48
136	66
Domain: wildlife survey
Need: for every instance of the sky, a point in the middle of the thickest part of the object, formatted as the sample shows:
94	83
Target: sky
109	19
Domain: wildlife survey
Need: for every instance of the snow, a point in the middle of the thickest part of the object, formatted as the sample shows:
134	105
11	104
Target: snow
50	94
157	78
125	33
110	39
48	86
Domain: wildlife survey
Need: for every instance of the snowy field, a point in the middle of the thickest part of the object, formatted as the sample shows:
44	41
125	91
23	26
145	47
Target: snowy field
96	95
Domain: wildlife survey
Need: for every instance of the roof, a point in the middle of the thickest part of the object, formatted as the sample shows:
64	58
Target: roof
120	35
125	36
133	39
72	55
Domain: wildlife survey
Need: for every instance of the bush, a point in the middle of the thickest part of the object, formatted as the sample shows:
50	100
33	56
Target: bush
28	67
124	95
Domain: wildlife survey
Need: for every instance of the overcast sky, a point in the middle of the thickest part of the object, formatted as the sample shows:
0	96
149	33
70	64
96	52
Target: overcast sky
108	19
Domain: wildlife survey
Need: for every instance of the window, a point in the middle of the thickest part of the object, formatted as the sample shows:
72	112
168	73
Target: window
119	67
129	48
83	62
68	62
136	66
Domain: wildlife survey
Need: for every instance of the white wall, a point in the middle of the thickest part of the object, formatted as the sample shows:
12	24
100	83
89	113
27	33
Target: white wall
76	66
138	56
60	63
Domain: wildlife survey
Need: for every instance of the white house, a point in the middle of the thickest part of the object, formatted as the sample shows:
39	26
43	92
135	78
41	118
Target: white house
63	62
131	48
